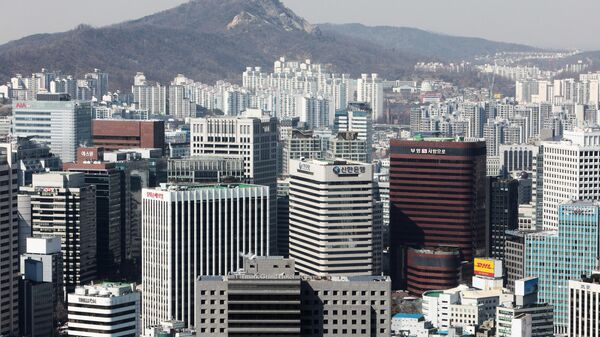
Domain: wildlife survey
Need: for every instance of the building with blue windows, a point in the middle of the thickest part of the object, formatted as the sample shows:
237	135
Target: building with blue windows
557	256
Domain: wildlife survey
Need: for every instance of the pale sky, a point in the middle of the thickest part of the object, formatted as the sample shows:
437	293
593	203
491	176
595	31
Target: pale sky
544	23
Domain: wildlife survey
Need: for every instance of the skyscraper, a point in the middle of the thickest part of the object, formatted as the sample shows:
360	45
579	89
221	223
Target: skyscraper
332	218
357	117
556	256
437	200
56	120
252	136
113	206
9	254
190	231
502	214
570	172
62	205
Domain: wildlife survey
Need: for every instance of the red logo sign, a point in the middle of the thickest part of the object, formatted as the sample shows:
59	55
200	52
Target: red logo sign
154	195
21	105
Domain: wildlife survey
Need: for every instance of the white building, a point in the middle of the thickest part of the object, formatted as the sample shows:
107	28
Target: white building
104	310
571	171
190	231
584	301
369	89
252	136
332	218
9	254
63	125
150	97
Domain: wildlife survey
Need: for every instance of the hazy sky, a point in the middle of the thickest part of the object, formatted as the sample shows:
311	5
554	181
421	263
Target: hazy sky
545	23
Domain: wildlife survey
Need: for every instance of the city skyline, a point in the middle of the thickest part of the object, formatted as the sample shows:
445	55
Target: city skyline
469	18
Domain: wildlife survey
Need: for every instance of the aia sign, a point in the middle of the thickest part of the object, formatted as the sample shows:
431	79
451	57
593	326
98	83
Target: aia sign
21	105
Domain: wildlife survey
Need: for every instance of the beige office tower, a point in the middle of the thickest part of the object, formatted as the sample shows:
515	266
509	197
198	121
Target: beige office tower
9	241
332	218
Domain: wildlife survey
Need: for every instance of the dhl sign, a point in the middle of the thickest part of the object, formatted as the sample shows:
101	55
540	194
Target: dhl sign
484	267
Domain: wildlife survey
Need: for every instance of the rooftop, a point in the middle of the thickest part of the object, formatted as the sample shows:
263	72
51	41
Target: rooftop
187	187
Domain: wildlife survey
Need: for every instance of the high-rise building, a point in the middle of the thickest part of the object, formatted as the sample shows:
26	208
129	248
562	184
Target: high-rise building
357	117
152	98
113	206
252	136
569	171
346	145
369	89
437	200
301	144
189	231
113	134
9	254
56	120
323	193
62	205
284	304
33	157
556	256
90	306
502	214
180	104
584	301
46	251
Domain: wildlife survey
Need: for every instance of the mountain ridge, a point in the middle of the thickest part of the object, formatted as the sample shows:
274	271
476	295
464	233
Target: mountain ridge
206	40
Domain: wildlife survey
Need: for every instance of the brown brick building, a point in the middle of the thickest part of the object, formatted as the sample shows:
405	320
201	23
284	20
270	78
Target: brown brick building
124	134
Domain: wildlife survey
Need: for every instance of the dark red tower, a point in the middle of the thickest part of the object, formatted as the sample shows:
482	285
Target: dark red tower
437	202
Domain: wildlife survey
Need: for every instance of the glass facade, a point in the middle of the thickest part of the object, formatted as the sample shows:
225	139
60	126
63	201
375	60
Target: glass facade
559	256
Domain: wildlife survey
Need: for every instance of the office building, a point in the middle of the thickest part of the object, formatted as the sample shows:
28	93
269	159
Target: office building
369	89
301	145
283	217
332	192
36	309
253	135
9	254
556	256
432	269
116	134
584	301
33	157
517	157
72	218
194	230
346	145
357	117
205	169
56	120
569	172
502	214
285	304
46	251
91	305
437	200
113	206
524	315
